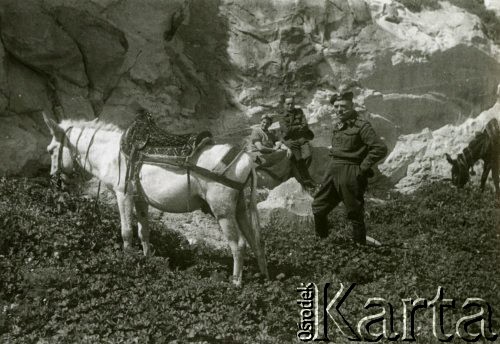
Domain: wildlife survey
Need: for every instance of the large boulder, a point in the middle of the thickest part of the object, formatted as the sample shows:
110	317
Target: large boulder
33	38
103	48
27	90
288	204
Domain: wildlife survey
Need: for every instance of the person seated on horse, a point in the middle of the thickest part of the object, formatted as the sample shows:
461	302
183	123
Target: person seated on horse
263	142
296	136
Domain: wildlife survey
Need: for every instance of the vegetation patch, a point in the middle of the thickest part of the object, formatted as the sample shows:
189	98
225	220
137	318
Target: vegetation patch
64	278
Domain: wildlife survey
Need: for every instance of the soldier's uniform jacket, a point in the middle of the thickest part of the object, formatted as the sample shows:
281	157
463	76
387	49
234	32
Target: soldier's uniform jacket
355	148
293	125
355	142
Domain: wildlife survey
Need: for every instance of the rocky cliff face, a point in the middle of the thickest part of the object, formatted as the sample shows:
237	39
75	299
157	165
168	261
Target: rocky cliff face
221	63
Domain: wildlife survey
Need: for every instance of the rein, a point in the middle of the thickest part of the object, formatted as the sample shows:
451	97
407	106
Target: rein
79	171
74	155
88	148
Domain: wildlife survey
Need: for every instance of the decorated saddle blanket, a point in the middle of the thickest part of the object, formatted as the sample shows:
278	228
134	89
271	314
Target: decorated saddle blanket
146	137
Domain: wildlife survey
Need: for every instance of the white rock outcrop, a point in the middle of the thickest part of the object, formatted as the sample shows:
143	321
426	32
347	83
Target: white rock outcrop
288	203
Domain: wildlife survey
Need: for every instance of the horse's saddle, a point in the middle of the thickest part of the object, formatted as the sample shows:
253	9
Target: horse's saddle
144	141
146	137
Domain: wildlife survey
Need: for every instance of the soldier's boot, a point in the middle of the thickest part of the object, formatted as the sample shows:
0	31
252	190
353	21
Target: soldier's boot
321	225
359	233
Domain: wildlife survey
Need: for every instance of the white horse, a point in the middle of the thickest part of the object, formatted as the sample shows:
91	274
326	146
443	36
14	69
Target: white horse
93	149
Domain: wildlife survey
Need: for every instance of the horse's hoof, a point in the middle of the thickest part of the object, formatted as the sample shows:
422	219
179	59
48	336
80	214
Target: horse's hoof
237	282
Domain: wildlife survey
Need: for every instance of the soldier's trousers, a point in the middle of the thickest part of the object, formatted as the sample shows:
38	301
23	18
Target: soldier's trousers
341	183
301	158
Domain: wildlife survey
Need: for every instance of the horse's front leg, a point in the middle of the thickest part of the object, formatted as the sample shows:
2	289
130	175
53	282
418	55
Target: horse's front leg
141	209
125	206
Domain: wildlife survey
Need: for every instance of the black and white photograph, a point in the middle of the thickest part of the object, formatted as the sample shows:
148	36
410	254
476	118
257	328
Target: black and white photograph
249	171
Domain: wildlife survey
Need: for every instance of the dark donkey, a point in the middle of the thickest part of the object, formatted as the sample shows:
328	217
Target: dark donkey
486	146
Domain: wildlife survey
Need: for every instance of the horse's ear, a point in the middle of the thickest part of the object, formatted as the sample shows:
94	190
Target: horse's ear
450	160
54	128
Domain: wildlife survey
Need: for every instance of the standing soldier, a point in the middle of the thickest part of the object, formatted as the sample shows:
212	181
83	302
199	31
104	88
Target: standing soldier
295	134
355	149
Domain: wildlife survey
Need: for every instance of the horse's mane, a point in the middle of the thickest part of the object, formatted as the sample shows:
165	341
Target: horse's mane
94	124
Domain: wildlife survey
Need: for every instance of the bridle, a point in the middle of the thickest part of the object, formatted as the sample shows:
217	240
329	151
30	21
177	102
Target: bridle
79	171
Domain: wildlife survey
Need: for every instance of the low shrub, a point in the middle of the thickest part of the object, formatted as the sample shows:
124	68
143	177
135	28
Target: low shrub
64	278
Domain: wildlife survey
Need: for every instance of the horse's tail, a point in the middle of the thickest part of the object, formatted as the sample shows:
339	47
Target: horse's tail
250	225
